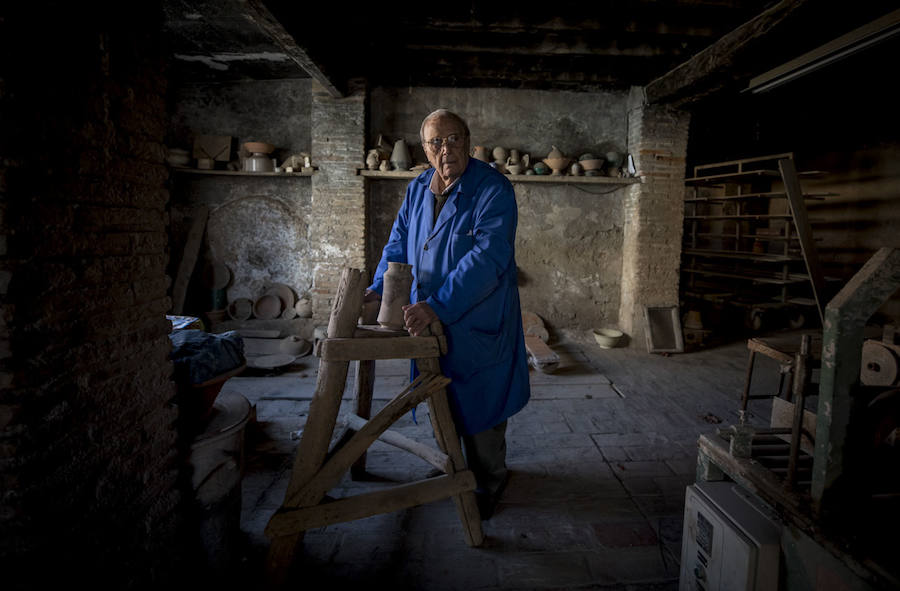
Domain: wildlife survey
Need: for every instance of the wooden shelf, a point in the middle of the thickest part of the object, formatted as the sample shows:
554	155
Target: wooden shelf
750	196
737	177
238	172
785	216
517	178
746	236
792	277
742	255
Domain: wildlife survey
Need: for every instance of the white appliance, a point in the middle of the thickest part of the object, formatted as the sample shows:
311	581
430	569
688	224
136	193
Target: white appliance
731	540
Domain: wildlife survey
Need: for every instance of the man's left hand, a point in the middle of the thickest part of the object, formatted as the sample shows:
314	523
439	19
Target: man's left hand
418	317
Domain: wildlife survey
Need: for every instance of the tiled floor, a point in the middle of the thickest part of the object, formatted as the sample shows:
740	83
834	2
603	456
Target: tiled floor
600	458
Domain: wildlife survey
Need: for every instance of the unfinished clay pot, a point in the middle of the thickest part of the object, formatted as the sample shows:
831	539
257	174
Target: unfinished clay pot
400	157
397	283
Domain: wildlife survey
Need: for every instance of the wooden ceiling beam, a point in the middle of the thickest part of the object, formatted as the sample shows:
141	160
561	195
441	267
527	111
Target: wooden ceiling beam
728	60
256	12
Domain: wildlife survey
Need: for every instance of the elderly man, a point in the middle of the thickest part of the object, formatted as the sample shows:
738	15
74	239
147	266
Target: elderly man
457	228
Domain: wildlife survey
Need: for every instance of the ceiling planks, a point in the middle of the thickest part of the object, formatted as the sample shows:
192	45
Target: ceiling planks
680	51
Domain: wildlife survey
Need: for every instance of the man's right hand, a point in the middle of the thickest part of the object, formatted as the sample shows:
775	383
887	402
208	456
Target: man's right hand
371	296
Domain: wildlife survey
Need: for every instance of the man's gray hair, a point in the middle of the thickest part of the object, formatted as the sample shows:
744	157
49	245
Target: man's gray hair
443	113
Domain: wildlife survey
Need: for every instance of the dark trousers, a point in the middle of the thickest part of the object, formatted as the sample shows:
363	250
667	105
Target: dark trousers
486	457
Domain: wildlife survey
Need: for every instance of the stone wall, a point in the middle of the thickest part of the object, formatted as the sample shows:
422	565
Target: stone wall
276	247
88	464
569	239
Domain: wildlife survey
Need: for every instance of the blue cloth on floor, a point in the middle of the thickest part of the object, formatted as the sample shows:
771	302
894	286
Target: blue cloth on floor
200	356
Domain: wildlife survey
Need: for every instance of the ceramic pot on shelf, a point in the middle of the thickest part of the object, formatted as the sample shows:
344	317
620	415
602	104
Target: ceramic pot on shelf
557	161
500	155
400	156
373	160
397	284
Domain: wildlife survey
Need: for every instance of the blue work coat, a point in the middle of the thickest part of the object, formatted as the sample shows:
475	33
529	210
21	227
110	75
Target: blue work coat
464	267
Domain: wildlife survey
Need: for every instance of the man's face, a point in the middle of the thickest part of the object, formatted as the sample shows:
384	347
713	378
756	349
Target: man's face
451	158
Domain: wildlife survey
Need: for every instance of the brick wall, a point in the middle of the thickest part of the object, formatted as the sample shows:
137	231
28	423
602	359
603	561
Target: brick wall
88	464
337	235
654	209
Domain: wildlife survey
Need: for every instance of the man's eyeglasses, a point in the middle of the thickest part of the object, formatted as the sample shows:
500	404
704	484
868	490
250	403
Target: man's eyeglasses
452	141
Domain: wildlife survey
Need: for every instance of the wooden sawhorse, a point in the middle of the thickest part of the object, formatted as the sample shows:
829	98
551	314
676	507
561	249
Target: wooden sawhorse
317	469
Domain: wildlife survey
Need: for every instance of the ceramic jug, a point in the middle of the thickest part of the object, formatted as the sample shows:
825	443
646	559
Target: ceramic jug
397	284
513	167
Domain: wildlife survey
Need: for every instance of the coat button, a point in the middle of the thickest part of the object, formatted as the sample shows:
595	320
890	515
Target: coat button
425	247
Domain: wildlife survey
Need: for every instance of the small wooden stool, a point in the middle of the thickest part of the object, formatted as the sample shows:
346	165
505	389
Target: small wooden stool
317	469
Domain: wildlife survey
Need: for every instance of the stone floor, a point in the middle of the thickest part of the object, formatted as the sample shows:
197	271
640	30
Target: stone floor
599	460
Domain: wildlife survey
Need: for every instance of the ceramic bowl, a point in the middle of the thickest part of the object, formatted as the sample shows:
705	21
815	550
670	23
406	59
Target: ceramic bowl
259	147
557	164
294	345
267	307
594	164
607	337
240	309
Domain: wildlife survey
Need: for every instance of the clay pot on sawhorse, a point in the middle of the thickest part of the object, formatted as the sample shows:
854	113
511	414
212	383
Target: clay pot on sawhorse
397	283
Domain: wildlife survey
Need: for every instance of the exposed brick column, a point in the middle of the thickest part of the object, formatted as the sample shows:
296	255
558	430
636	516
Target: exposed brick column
88	465
654	209
337	229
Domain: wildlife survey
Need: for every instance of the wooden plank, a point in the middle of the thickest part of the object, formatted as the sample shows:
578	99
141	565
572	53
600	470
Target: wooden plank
792	278
801	221
323	410
336	466
203	171
760	346
845	318
739	163
189	258
363	387
439	460
364	505
543	358
533	325
751	475
743	255
349	349
258	13
517	178
784	216
448	441
744	176
731	58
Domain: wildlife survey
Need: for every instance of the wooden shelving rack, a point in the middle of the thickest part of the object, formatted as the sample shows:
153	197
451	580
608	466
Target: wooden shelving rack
742	248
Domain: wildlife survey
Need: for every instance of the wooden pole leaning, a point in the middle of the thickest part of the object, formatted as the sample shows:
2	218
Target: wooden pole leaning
319	464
